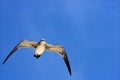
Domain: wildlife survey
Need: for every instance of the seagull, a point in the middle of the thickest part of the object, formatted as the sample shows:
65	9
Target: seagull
40	47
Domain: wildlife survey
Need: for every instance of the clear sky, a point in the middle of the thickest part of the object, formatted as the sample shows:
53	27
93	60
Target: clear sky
88	30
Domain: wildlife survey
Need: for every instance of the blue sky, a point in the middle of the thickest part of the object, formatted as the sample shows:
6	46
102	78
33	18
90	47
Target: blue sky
88	29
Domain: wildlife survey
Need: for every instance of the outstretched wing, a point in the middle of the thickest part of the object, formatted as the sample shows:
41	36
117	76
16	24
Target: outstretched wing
61	51
23	43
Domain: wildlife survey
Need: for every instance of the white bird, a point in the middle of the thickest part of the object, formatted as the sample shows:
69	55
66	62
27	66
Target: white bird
40	47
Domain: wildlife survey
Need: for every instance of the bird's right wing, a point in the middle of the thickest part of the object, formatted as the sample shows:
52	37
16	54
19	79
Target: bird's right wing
60	50
23	43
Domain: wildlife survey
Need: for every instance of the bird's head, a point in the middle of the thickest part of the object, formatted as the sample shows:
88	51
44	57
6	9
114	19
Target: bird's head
41	41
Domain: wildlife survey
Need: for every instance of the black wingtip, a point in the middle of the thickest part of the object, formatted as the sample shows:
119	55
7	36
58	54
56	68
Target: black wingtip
70	73
67	63
3	62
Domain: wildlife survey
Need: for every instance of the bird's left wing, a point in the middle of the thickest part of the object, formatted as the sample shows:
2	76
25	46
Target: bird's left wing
23	43
61	51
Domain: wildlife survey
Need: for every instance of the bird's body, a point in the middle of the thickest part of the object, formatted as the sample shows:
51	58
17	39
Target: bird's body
40	47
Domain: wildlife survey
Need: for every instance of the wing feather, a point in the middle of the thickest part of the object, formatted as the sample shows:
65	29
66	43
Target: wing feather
23	43
67	63
60	50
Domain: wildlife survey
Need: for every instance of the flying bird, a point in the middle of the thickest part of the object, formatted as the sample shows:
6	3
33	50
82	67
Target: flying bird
40	47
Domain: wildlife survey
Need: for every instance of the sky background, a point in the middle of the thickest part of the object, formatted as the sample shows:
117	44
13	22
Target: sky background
88	30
